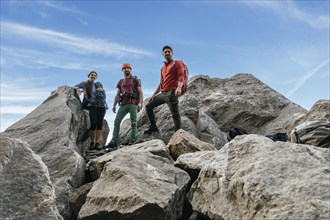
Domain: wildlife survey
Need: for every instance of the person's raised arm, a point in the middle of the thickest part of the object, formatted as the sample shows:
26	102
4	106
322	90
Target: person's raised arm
80	87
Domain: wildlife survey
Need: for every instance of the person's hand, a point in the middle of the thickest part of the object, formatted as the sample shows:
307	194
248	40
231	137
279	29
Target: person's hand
99	89
114	109
152	97
178	91
78	91
139	106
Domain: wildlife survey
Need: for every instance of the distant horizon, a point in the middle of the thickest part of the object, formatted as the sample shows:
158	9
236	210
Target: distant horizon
46	44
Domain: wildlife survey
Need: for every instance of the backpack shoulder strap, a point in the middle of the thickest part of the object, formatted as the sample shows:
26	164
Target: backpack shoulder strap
98	85
120	82
135	82
174	62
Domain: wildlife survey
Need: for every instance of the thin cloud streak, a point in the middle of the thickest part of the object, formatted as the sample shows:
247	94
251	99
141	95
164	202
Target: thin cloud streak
60	7
284	8
69	42
315	21
5	123
304	78
33	59
17	109
19	92
43	7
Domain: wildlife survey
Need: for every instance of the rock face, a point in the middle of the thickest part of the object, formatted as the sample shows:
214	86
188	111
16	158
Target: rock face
53	131
136	182
25	187
194	173
212	106
254	178
183	142
146	187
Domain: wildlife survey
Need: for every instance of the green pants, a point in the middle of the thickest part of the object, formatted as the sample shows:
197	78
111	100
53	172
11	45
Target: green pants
122	112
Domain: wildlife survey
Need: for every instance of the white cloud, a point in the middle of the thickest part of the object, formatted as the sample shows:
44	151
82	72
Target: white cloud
6	122
69	42
290	8
22	89
33	59
313	20
43	7
72	11
17	109
59	6
304	78
19	97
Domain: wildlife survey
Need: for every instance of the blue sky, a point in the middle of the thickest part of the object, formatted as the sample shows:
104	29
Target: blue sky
47	44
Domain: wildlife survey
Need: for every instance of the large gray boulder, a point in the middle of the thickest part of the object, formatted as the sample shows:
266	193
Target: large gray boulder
137	185
183	142
243	101
213	105
25	186
156	147
253	177
53	131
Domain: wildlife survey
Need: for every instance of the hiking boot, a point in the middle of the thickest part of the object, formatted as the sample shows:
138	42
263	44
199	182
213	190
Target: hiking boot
112	144
152	128
131	142
91	146
110	149
97	146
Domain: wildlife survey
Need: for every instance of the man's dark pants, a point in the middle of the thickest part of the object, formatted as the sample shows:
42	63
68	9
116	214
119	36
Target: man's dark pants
172	102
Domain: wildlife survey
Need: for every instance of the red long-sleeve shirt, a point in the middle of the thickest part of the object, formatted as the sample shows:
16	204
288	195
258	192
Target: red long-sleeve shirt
171	75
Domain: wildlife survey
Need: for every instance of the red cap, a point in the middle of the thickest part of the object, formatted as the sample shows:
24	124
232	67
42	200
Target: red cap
126	65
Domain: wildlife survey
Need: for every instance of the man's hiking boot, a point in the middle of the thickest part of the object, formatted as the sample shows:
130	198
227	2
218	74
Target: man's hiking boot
152	128
110	149
131	142
112	144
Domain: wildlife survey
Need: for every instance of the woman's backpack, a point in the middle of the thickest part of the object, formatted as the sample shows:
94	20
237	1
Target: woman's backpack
100	97
184	87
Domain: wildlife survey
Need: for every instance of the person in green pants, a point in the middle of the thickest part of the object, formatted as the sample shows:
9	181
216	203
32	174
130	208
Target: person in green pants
130	98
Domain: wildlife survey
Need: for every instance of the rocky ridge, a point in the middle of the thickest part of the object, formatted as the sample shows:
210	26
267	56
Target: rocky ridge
194	173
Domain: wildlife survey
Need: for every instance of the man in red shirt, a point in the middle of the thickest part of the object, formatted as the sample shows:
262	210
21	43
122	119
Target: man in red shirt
171	82
130	98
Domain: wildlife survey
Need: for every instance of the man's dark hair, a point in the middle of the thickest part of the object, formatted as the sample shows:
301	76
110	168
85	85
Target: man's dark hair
167	47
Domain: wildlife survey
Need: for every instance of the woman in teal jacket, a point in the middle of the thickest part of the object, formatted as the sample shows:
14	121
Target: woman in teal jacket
94	102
